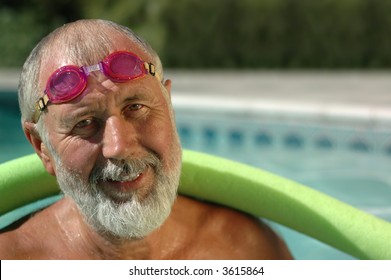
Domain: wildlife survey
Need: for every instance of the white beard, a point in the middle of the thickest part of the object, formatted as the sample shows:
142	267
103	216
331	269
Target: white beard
132	217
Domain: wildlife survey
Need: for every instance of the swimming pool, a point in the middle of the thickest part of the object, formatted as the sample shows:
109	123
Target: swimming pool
351	164
346	157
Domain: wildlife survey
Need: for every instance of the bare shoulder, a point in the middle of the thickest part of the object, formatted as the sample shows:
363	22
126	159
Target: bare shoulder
17	243
8	245
33	238
225	233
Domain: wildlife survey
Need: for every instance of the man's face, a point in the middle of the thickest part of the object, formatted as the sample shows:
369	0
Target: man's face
116	151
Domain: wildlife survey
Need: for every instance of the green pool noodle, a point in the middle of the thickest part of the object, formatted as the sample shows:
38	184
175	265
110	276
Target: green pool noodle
243	187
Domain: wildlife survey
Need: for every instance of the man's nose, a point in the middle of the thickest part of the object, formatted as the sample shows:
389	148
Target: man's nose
119	138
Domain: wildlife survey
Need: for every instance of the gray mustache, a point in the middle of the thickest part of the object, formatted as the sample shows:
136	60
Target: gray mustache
123	170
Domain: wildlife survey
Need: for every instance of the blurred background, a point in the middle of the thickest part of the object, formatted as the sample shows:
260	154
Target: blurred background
267	34
300	88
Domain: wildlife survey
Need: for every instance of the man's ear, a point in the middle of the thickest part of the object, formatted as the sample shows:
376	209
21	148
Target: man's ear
39	147
167	85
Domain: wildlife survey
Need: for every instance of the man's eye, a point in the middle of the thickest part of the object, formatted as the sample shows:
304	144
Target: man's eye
135	111
84	123
135	107
86	128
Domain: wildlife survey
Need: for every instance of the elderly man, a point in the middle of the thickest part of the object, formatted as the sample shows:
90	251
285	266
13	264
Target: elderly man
97	111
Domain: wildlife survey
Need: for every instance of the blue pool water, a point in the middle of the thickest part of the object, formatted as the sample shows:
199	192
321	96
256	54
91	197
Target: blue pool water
349	161
13	143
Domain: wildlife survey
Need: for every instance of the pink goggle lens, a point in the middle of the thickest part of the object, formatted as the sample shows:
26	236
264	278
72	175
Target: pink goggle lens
123	66
66	84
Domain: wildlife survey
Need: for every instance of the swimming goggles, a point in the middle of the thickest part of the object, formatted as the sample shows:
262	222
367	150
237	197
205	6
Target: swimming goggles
68	82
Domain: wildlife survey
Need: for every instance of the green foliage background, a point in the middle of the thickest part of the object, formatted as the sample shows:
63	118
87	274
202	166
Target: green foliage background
264	34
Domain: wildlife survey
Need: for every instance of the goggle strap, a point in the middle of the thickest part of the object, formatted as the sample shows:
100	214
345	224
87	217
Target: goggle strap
42	103
150	68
